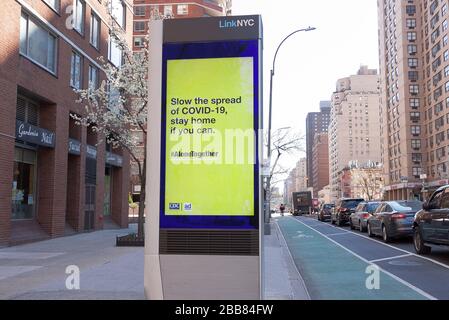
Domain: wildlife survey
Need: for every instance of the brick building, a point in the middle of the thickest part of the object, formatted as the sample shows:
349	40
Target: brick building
320	165
316	122
54	178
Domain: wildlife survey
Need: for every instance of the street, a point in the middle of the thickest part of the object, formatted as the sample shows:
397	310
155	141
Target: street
333	262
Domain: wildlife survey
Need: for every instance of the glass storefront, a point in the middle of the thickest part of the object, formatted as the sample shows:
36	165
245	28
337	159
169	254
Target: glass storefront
24	184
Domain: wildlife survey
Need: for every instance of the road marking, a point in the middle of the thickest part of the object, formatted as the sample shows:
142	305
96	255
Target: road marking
412	287
337	234
390	258
284	242
393	247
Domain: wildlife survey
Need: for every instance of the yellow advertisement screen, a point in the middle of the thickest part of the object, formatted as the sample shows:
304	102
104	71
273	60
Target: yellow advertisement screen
210	138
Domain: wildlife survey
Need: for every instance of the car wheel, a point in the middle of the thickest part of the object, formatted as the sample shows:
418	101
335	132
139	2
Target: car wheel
370	233
418	243
361	228
385	237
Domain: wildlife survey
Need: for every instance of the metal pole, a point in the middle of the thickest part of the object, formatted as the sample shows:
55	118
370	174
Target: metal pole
268	179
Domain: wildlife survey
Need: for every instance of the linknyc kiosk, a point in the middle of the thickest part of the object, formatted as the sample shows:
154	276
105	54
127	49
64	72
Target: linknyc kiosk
203	201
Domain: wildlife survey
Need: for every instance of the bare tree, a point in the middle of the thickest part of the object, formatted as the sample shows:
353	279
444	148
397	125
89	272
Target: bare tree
284	141
367	182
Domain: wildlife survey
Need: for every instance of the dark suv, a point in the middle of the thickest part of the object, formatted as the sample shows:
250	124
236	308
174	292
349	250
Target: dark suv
343	209
431	224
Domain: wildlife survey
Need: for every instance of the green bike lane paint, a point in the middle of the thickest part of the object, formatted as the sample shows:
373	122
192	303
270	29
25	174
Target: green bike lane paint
333	272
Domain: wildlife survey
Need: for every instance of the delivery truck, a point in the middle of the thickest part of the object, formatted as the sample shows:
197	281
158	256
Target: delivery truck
302	202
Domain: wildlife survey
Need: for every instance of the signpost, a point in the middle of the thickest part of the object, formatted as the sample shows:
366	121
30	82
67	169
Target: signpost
204	194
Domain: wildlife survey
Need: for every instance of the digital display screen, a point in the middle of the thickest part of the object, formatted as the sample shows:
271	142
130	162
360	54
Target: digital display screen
209	147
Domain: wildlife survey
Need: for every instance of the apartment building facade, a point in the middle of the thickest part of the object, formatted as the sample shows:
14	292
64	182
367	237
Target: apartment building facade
316	122
354	128
320	155
57	178
414	71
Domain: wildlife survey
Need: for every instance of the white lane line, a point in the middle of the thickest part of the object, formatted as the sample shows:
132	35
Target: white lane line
412	287
337	234
393	247
391	258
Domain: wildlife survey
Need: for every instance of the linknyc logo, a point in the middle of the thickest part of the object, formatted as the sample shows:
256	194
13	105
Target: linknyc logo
237	23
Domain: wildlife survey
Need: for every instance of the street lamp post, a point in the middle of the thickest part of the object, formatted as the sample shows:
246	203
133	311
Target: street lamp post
268	181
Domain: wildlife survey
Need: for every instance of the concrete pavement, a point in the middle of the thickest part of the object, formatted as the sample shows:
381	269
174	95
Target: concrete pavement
37	270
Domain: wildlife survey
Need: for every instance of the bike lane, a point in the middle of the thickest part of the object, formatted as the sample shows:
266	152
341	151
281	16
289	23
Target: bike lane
332	272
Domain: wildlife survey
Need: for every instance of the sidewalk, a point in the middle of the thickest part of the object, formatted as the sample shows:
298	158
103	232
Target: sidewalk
37	270
282	279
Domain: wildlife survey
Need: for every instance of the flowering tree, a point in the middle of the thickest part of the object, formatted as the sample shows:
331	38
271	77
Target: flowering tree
117	108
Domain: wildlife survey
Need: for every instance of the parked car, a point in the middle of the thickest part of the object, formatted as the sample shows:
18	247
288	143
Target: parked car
393	219
431	224
364	210
325	211
343	209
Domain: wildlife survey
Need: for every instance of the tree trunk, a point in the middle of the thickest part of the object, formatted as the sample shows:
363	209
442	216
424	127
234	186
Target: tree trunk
140	220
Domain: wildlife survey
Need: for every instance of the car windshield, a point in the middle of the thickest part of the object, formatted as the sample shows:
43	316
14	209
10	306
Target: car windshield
351	203
372	206
328	206
406	205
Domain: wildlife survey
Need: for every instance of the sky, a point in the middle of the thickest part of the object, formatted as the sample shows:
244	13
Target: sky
309	64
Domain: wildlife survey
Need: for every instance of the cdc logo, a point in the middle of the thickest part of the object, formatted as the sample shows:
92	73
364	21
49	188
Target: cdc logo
174	206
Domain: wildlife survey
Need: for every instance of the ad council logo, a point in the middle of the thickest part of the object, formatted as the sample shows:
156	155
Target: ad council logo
187	206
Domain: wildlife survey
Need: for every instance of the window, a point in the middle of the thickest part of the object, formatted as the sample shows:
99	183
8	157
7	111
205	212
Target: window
95	31
139	11
410	9
445	40
411	23
414	103
75	70
414	116
446	86
444	25
412	62
37	43
182	9
435	201
114	100
138	42
416	144
416	171
168	10
54	4
118	11
412	49
78	16
413	75
93	77
414	89
444	9
139	26
411	36
446	55
415	130
446	71
115	53
416	157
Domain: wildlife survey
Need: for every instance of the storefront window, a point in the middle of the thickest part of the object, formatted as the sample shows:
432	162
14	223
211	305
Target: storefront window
24	184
